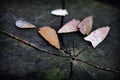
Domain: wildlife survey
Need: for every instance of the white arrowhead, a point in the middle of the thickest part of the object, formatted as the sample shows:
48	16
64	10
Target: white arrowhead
24	24
59	12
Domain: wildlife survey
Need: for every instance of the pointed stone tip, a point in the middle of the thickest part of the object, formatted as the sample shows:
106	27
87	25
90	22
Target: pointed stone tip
71	26
58	47
107	27
94	46
24	24
61	31
91	16
34	26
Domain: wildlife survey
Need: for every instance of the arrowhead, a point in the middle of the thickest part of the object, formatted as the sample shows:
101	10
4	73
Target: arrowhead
85	25
97	36
50	35
59	12
24	24
71	26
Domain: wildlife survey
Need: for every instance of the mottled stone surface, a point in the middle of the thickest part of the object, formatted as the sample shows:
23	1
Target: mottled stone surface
19	61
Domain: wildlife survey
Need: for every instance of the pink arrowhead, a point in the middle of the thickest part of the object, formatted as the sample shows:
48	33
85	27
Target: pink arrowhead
85	25
71	26
97	36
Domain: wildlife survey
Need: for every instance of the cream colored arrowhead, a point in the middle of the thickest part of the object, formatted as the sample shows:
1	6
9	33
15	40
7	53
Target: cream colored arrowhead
85	25
50	35
71	26
97	36
59	12
24	24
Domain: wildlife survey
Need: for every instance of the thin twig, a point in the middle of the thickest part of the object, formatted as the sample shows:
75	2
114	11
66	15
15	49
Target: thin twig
62	17
61	23
29	44
98	67
63	4
62	20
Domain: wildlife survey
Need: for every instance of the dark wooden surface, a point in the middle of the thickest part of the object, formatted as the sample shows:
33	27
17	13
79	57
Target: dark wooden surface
19	61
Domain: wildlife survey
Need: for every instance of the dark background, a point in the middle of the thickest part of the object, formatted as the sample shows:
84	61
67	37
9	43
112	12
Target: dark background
19	61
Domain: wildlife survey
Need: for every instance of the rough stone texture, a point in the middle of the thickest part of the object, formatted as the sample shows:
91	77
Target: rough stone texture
19	61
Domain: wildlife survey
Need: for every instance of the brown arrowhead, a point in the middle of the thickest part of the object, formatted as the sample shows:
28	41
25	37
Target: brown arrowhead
50	35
